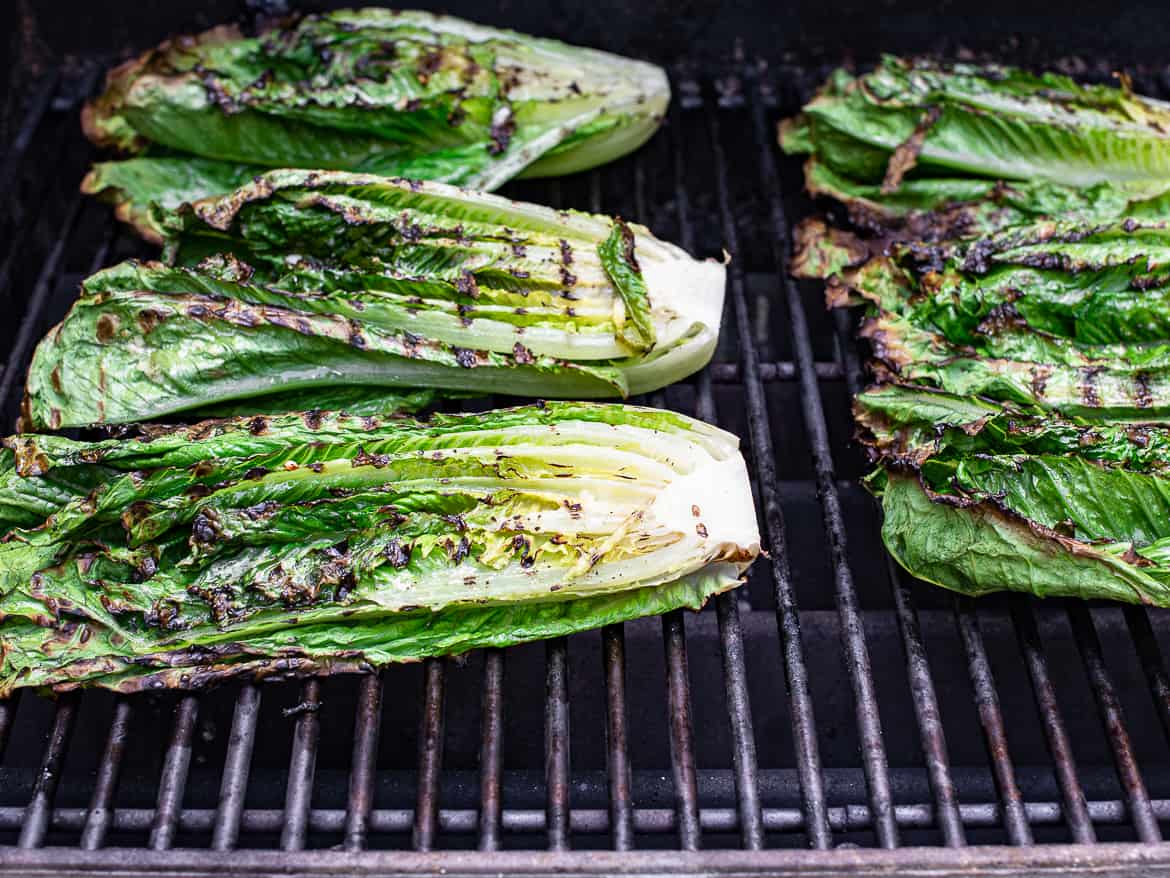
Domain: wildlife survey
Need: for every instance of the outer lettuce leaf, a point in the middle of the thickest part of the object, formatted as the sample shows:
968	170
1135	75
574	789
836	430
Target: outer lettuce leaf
393	92
326	541
134	185
981	496
978	547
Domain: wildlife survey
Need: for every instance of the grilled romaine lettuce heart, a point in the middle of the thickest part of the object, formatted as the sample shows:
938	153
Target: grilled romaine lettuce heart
317	542
391	92
919	150
326	279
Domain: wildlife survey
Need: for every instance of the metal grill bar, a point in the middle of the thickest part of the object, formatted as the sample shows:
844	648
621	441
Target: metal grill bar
779	370
853	633
556	743
38	104
682	754
233	786
430	755
367	723
1085	634
491	754
788	619
7	714
678	685
618	760
1138	621
934	744
302	768
26	336
1073	796
991	718
100	815
595	821
739	711
926	711
174	775
36	815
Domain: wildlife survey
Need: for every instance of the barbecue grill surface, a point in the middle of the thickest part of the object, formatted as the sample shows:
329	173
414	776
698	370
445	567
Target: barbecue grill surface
831	704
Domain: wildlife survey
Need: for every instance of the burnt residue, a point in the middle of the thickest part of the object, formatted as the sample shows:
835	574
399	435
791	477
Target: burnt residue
628	253
1040	375
501	134
466	285
465	358
905	157
107	327
363	458
1143	396
1088	385
522	355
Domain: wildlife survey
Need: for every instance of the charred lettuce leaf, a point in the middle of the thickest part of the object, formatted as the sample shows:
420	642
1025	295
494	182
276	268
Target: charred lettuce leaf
982	497
1065	316
918	118
917	150
394	92
315	280
319	542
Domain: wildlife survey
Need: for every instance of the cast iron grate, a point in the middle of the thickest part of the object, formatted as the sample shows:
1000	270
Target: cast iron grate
829	704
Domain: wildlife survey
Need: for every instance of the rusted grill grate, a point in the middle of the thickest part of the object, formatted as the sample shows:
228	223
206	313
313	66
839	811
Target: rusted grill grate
830	701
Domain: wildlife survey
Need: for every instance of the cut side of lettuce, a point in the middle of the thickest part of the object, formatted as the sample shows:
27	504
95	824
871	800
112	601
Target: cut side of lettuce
317	542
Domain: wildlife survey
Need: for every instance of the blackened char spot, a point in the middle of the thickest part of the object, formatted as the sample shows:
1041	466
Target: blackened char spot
466	285
628	246
148	320
202	531
1089	387
1040	375
501	134
1142	393
312	419
459	551
465	357
522	354
258	426
107	326
566	253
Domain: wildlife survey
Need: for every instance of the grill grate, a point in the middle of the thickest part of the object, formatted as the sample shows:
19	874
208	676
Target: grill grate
1004	748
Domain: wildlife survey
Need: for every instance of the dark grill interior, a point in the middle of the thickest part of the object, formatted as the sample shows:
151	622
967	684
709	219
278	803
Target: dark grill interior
828	702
